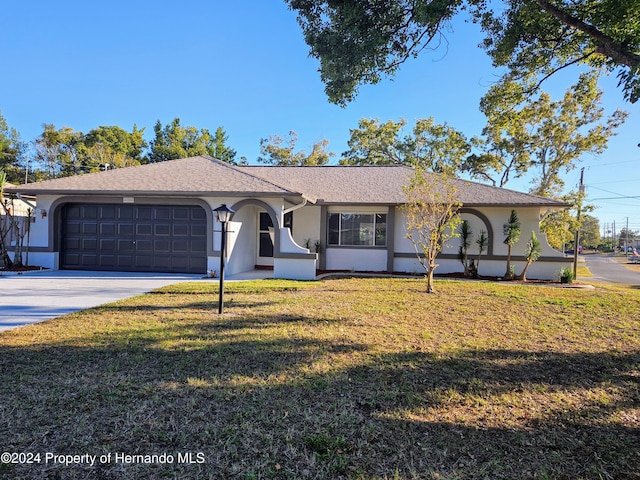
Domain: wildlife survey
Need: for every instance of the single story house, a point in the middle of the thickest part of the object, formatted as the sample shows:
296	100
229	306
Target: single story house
296	220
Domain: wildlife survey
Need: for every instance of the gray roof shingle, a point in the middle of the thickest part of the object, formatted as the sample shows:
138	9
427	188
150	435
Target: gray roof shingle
204	175
382	185
186	176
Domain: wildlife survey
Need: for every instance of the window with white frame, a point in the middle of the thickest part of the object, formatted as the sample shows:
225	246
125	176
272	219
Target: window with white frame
357	229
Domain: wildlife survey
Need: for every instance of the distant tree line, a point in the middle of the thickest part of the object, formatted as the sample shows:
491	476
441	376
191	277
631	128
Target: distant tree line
63	151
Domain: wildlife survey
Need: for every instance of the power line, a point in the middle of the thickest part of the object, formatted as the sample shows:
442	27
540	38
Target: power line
614	198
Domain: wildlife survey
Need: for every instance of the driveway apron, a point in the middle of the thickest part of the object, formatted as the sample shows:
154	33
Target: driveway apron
35	297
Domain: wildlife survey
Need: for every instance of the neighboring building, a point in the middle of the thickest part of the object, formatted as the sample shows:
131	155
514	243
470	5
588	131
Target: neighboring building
158	218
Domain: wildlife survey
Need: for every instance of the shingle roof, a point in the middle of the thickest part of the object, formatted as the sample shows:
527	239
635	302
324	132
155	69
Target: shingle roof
186	176
204	175
382	185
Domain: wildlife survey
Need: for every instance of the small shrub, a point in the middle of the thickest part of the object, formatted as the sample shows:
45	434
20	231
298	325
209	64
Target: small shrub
566	275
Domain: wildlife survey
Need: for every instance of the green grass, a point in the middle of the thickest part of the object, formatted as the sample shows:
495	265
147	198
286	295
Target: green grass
345	378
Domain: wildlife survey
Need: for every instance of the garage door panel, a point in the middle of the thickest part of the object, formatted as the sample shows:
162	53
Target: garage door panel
107	244
108	212
125	229
144	229
125	245
163	238
89	259
89	243
162	246
162	229
198	245
144	245
89	228
125	212
107	260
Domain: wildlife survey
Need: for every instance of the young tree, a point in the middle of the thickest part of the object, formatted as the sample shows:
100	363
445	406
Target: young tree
432	217
533	252
465	234
361	41
482	243
512	231
274	152
433	146
5	226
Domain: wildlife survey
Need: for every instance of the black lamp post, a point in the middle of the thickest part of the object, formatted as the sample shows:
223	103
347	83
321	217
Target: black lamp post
223	215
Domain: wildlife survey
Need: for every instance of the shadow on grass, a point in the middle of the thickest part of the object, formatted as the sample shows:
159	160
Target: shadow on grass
294	406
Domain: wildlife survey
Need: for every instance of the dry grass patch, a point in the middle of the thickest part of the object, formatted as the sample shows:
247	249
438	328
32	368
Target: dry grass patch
348	378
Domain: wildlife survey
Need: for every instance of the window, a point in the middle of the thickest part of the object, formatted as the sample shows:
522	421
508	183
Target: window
358	229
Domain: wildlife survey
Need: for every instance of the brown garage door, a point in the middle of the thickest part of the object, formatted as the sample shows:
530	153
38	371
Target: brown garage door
134	238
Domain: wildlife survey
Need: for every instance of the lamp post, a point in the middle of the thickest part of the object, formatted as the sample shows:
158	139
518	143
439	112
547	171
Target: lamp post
223	215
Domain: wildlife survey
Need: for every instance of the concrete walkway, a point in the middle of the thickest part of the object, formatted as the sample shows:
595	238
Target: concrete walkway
37	296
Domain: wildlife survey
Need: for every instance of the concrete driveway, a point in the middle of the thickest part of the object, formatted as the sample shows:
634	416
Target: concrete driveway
34	297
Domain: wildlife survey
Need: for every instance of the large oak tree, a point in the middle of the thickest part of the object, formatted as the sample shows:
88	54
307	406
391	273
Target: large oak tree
360	41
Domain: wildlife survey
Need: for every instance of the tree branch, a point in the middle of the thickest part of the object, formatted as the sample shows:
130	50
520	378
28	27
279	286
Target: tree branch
605	45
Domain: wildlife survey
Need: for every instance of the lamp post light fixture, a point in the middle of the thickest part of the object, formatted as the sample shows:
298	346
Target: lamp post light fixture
223	215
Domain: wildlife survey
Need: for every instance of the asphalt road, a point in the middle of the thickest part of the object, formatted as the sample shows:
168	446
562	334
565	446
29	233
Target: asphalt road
605	268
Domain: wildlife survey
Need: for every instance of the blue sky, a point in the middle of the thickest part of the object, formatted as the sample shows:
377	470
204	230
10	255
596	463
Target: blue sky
243	65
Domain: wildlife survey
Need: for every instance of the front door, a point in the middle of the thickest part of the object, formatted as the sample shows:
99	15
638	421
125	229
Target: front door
266	236
265	240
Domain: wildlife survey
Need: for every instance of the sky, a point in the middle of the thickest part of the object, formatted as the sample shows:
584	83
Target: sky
244	66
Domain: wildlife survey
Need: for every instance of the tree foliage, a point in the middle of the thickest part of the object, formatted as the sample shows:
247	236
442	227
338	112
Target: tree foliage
533	252
560	226
511	230
361	41
432	146
61	152
12	150
540	134
175	141
275	150
465	233
432	217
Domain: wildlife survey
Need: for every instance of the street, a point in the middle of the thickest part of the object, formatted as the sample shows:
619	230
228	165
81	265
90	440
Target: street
605	268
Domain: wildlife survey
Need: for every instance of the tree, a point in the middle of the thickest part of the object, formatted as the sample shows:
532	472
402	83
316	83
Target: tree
560	226
534	250
221	150
361	41
277	151
175	141
626	234
114	146
511	229
435	147
12	152
482	243
5	226
432	217
546	136
590	234
57	151
465	234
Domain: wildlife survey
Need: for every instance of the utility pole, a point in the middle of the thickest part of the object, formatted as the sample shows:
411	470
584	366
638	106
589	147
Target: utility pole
626	239
576	243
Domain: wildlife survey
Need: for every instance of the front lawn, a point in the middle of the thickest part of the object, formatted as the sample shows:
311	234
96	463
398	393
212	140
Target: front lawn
344	378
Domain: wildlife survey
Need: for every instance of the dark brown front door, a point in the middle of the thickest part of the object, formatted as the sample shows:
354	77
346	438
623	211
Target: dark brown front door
134	238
